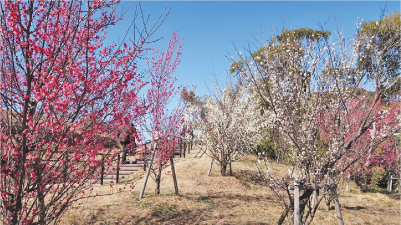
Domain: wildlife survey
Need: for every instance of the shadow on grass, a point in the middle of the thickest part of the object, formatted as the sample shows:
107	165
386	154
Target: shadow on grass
249	176
394	195
354	208
367	189
166	213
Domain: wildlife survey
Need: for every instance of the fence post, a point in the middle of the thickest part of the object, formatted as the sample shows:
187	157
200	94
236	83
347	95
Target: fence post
337	203
389	181
314	197
101	175
296	202
328	200
174	175
148	172
118	168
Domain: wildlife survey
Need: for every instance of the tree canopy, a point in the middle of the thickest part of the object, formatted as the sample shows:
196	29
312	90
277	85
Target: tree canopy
386	43
281	44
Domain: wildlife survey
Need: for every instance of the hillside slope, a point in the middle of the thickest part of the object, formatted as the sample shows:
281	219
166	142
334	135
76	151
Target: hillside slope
216	200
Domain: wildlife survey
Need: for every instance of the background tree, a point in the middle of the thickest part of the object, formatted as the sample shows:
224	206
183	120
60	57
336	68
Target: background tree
282	47
387	44
189	97
283	44
227	127
386	155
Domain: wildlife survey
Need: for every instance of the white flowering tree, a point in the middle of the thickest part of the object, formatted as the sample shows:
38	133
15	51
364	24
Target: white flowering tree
314	89
228	126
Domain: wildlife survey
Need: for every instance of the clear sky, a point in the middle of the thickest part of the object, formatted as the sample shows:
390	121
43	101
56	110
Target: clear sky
211	29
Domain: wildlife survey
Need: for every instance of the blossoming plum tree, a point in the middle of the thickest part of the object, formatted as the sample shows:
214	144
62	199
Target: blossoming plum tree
63	95
228	127
313	85
164	124
384	154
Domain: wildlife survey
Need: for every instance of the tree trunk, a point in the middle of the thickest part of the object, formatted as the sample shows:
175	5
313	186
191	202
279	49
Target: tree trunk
314	198
210	169
283	216
224	162
337	203
328	198
303	201
328	203
157	190
41	197
18	203
297	213
158	179
124	154
223	168
42	214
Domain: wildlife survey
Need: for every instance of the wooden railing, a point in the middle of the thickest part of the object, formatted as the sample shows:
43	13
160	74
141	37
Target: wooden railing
147	151
183	146
102	166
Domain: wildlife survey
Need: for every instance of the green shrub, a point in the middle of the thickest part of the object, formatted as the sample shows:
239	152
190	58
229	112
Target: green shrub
268	147
378	178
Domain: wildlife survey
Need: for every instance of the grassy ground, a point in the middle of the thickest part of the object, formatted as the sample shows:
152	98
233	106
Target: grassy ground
216	200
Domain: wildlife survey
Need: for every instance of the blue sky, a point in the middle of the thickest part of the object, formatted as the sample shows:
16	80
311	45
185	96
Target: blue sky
211	29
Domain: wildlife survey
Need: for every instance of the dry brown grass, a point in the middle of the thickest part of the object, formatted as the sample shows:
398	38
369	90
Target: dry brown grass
216	200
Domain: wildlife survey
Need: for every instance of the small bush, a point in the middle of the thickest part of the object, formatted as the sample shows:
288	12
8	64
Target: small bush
378	178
